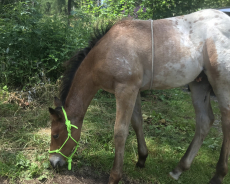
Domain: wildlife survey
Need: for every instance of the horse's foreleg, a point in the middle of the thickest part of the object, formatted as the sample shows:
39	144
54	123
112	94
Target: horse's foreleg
204	120
125	101
137	121
224	102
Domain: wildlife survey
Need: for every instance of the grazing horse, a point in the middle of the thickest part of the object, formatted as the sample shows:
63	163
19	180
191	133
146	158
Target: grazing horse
126	59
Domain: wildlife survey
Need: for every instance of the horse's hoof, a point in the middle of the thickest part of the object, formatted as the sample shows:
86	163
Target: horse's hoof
215	180
174	176
140	165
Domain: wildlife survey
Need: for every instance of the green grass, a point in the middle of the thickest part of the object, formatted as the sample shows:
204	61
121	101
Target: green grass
169	124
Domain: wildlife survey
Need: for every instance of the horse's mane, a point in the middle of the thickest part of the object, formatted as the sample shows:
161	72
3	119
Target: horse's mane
73	64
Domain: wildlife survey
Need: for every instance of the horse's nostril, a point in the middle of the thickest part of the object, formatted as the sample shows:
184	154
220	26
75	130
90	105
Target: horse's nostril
52	164
58	164
56	161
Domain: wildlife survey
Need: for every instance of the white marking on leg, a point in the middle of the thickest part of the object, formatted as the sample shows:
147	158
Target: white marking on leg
175	176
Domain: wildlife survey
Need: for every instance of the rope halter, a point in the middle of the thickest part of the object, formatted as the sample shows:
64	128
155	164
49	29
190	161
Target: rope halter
68	126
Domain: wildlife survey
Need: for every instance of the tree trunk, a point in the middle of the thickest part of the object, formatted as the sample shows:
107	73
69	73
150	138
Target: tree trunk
69	10
69	6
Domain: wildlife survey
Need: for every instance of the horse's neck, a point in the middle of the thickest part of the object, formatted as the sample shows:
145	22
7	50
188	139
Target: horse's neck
81	92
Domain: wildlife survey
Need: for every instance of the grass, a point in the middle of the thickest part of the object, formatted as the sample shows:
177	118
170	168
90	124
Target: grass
169	124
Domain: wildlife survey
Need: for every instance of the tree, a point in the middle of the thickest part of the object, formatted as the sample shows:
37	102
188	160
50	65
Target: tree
69	6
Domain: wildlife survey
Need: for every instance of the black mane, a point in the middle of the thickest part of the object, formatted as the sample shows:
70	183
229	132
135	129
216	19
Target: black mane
72	65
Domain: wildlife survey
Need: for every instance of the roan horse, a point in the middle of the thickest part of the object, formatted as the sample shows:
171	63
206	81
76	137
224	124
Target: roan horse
119	60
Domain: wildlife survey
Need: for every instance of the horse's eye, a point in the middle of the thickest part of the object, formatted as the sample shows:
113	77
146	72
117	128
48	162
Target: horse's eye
55	136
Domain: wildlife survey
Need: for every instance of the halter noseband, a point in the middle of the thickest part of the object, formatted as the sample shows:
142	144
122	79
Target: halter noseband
68	126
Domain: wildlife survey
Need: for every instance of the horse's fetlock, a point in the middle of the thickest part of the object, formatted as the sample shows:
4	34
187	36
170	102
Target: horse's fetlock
142	152
184	165
141	160
216	180
222	169
115	177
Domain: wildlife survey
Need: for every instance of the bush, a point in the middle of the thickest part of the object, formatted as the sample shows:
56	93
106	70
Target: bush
33	46
142	9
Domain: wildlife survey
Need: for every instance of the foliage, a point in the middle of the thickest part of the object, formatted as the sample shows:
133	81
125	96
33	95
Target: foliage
216	3
51	7
143	9
33	47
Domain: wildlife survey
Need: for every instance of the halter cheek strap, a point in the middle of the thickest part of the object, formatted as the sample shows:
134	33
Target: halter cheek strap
68	126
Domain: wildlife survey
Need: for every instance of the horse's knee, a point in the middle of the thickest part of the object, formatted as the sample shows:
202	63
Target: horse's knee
120	134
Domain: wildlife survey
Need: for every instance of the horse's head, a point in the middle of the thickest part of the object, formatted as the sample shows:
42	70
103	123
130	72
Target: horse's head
59	135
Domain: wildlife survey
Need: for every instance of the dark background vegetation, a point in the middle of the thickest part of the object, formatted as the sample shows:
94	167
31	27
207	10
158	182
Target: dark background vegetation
37	36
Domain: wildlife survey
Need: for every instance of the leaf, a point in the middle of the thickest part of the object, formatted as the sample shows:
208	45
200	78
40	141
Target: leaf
145	116
44	176
7	50
5	88
46	165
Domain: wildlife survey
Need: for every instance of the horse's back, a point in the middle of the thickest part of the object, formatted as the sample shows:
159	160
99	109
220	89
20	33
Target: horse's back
184	46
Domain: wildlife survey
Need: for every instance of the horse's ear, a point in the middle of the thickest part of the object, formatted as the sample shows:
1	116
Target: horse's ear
54	113
57	102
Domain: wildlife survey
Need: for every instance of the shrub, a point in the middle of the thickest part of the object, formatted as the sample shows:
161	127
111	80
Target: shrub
33	46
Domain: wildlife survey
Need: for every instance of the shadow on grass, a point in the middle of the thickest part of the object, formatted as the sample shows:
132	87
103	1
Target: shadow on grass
83	174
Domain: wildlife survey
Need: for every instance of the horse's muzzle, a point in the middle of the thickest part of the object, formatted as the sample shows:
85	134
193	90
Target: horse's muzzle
56	160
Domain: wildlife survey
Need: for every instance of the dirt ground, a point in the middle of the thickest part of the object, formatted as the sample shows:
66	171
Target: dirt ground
86	175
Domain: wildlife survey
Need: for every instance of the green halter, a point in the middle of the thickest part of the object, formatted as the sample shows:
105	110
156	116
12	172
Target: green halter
68	126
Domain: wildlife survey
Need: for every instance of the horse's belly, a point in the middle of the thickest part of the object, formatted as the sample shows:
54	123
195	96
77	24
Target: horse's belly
172	74
175	75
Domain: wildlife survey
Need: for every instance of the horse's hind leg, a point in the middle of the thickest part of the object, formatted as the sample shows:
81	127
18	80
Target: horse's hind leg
137	121
204	120
222	91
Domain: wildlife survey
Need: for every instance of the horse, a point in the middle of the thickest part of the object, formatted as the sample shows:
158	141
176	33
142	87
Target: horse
130	56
